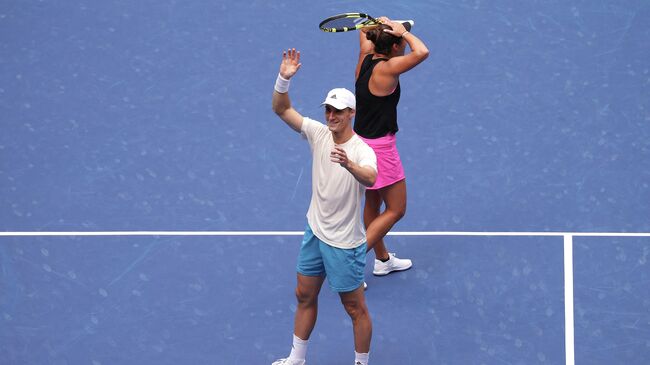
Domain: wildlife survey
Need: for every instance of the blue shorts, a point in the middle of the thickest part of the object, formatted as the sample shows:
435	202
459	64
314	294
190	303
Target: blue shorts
344	268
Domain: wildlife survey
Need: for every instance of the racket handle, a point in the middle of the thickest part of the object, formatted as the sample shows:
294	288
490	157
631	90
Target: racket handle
411	22
408	24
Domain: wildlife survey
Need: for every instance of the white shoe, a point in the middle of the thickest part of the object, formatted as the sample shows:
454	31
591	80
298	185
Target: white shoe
289	362
393	264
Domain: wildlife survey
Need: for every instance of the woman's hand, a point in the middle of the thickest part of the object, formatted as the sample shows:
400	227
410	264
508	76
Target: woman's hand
398	28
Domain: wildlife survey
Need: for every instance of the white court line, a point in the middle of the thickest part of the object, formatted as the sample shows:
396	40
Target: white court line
568	255
156	233
568	301
300	233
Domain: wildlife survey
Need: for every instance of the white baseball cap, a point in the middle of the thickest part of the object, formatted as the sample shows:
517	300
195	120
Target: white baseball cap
340	98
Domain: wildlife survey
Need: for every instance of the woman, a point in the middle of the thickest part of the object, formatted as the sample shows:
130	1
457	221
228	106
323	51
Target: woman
382	59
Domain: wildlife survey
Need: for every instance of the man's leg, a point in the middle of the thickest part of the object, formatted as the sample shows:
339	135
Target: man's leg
310	277
354	303
307	291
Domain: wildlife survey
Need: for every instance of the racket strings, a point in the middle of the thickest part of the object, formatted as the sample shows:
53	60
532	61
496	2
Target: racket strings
346	22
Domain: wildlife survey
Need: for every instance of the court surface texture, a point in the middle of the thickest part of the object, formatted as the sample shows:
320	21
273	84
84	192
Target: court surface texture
152	204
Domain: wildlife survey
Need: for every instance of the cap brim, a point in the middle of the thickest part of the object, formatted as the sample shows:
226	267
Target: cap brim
407	25
335	103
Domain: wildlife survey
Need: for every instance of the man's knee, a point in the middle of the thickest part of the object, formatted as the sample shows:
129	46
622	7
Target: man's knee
306	296
355	309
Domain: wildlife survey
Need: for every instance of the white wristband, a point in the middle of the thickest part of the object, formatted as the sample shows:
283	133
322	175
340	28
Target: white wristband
281	85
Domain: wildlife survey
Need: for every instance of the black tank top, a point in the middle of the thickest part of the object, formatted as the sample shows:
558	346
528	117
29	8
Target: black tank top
376	116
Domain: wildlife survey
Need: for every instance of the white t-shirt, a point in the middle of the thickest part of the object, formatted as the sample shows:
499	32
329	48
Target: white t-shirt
335	210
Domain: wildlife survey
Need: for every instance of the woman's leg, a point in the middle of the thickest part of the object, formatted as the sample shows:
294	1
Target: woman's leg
371	209
394	197
378	225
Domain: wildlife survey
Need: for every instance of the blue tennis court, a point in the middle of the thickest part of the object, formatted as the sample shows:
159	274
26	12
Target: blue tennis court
152	204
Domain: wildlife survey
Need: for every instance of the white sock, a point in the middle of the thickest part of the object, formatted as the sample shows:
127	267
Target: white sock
299	349
361	359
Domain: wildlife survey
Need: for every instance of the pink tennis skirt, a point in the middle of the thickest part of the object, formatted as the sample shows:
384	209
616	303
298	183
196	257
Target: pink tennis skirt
389	165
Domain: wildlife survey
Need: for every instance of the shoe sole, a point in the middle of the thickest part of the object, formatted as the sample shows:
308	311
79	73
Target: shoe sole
381	273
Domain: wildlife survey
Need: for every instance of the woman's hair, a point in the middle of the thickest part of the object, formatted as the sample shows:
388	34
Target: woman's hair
383	41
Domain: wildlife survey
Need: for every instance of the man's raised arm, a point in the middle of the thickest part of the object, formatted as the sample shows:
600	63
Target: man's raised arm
281	102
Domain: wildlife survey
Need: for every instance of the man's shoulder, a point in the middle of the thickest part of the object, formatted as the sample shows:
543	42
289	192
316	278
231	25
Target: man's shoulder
311	121
313	127
361	149
361	144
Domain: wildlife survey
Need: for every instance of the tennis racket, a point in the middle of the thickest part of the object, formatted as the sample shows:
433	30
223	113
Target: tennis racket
352	21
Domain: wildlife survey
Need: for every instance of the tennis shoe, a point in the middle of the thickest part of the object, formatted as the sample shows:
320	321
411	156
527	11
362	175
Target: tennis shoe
393	264
288	361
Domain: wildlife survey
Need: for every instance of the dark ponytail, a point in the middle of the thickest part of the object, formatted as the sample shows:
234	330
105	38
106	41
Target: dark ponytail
383	41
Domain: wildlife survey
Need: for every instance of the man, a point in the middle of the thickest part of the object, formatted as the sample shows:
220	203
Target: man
334	243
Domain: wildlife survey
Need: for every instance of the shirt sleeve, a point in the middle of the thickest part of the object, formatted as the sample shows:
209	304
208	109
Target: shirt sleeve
307	129
311	129
367	158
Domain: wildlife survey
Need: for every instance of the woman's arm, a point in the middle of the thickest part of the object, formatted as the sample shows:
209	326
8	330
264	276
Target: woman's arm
366	47
400	64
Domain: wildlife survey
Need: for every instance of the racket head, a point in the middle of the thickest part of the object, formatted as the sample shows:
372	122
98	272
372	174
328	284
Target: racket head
347	22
